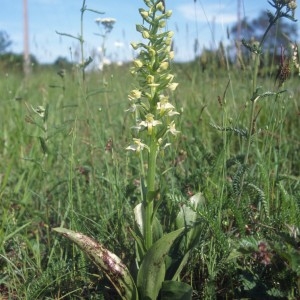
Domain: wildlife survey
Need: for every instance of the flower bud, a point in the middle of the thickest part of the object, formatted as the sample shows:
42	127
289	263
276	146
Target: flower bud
144	13
137	63
146	34
139	28
168	41
134	45
170	34
164	66
162	24
135	94
151	52
169	13
168	48
133	72
160	6
150	79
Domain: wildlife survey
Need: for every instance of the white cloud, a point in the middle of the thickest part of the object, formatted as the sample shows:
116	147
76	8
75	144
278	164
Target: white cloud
217	13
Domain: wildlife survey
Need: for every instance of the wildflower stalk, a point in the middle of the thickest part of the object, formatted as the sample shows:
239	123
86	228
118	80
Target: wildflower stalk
83	61
150	101
81	41
106	26
154	115
283	9
150	195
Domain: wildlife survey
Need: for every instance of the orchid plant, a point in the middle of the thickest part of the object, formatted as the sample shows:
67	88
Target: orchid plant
158	269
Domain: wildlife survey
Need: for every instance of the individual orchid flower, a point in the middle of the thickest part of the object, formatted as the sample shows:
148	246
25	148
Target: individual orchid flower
164	107
149	123
137	146
172	129
135	95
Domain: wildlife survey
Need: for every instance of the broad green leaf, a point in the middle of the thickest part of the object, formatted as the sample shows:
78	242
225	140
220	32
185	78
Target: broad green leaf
139	220
138	234
110	264
188	214
188	217
152	271
156	230
175	290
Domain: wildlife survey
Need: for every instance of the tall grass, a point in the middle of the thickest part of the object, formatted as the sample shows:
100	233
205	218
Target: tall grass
70	169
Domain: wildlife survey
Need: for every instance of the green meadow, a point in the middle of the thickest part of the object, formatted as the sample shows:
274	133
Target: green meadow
64	164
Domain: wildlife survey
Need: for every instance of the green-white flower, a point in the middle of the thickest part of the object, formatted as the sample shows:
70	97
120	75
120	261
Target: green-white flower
149	123
153	112
172	129
164	107
137	146
135	95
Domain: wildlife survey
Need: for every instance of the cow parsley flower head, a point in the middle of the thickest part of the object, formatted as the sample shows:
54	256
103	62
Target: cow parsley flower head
107	23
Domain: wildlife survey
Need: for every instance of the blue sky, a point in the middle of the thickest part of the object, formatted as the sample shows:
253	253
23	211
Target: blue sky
206	20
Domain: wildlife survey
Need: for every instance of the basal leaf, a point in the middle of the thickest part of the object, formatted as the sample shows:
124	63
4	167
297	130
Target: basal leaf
139	221
110	264
188	217
139	218
152	271
188	214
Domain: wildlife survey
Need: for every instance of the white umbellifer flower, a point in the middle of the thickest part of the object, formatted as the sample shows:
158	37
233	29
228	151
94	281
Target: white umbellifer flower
292	5
106	21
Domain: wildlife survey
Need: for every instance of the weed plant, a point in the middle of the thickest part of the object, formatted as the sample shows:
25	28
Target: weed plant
63	164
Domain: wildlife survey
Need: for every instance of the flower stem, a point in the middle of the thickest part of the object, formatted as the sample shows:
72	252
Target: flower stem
150	192
83	8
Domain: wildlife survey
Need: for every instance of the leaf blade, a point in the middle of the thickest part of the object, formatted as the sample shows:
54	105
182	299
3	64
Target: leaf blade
108	262
152	271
